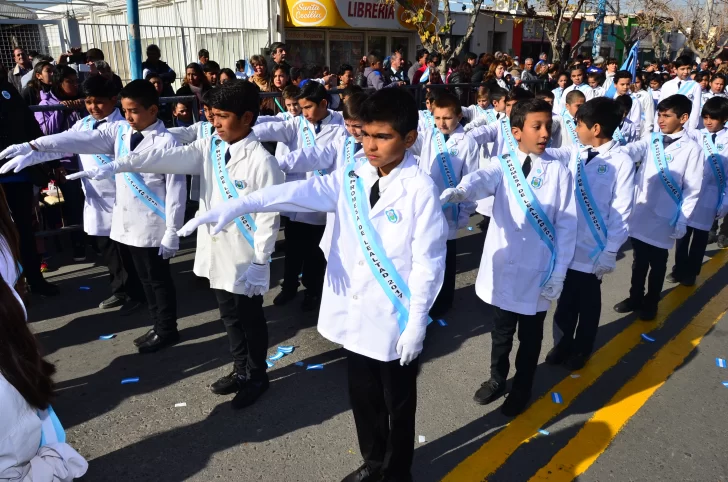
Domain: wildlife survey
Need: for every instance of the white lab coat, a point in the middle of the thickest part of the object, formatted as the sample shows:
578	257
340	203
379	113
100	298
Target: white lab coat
584	88
424	120
629	130
565	138
707	206
279	117
611	181
355	311
635	113
189	134
653	207
515	260
133	223
558	101
464	157
489	135
648	111
289	133
225	257
328	158
99	195
695	95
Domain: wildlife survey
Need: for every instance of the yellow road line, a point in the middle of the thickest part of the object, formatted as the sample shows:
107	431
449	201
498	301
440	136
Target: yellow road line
596	435
491	455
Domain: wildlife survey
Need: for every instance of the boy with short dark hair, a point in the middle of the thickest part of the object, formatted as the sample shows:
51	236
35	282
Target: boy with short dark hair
682	85
182	115
380	205
526	257
149	207
627	131
212	72
603	186
546	95
667	188
567	123
578	79
622	84
713	201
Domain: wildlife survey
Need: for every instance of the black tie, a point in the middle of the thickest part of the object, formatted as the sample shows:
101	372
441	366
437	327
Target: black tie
98	123
447	136
679	83
497	116
590	154
136	138
714	136
317	129
374	194
357	146
527	166
227	156
212	130
666	141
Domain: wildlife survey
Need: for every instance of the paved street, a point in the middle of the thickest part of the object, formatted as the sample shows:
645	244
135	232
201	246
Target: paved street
639	411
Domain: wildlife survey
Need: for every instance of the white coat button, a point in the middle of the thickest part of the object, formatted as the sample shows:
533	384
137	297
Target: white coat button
510	262
518	229
355	297
361	263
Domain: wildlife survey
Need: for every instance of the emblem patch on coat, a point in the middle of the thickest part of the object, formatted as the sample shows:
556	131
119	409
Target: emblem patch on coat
6	94
454	151
391	215
720	147
537	182
602	169
239	184
669	157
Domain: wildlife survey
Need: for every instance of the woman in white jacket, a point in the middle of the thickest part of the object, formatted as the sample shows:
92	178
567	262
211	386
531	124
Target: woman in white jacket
32	447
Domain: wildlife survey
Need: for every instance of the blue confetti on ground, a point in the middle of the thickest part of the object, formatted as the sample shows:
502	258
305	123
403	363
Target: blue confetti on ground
720	362
84	288
299	363
470	228
544	432
126	381
106	337
285	349
441	322
270	365
315	367
647	338
556	397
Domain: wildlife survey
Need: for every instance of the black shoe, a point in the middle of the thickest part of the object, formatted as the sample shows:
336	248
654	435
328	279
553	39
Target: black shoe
688	281
79	253
249	393
112	302
230	383
723	241
130	307
671	278
627	306
44	288
712	237
516	402
144	337
489	391
439	311
156	342
576	361
284	297
363	474
310	302
648	312
557	355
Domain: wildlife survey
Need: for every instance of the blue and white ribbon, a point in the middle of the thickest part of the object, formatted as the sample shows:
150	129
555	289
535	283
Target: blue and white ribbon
686	87
51	430
571	128
135	181
589	209
447	171
204	130
619	137
100	159
309	140
245	223
711	153
663	170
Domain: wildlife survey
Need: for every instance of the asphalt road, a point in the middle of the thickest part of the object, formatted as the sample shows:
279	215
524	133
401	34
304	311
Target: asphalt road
302	428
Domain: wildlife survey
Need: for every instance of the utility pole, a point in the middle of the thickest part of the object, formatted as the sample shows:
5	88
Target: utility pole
597	42
135	42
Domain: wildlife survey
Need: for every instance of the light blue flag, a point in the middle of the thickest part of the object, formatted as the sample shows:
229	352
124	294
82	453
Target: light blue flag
630	64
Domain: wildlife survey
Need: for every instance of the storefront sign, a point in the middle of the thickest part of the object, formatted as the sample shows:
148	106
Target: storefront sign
345	14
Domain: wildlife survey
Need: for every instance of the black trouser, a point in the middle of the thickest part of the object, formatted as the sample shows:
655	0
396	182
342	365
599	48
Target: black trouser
530	335
647	258
72	209
383	397
445	298
580	302
158	287
247	331
304	257
20	201
689	255
123	277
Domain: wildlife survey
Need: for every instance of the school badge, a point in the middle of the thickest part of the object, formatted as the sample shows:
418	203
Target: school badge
239	184
391	215
453	152
537	182
602	169
669	157
720	146
6	94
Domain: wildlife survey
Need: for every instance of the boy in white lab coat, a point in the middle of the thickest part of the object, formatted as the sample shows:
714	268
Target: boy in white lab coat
682	85
481	108
525	258
566	121
387	216
622	84
289	95
149	208
603	187
317	126
626	131
667	187
713	140
447	154
578	82
232	163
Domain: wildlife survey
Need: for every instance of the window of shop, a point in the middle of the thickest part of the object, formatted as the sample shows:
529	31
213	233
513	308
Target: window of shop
345	48
306	48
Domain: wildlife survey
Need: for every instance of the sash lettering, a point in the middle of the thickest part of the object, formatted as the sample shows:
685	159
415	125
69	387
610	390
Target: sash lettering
663	170
135	182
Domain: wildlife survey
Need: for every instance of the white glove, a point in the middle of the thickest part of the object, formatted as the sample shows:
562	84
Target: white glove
552	289
605	263
221	215
96	173
256	279
453	195
170	244
409	345
16	150
32	158
480	121
679	232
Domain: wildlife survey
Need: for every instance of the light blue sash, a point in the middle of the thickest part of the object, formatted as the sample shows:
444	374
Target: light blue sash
100	159
530	206
571	128
589	209
619	137
444	161
381	267
228	191
711	154
51	430
428	117
135	181
204	130
489	114
508	139
686	87
348	153
663	170
309	140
